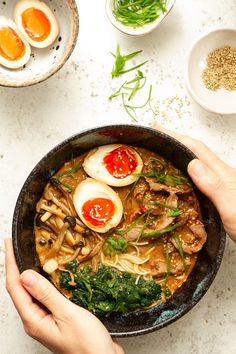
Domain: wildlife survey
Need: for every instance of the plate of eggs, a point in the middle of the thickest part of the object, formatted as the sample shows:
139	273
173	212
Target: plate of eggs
36	39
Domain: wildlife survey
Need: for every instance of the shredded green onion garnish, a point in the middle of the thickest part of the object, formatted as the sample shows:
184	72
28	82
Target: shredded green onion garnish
71	171
120	61
169	180
181	251
175	211
131	189
132	225
157	233
147	222
137	13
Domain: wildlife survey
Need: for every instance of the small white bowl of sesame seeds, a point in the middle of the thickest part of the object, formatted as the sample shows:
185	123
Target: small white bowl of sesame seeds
211	71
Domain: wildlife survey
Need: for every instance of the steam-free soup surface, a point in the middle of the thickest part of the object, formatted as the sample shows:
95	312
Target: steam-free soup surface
138	263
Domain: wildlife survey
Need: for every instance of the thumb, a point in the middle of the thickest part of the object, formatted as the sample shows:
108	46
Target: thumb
43	291
211	185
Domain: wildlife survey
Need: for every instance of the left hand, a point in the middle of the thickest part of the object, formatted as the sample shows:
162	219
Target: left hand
65	328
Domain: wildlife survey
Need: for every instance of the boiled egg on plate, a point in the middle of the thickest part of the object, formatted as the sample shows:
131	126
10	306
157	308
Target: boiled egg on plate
14	50
36	22
113	164
98	205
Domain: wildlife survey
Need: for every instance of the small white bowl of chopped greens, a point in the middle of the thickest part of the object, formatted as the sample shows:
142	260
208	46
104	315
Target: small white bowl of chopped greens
137	17
211	71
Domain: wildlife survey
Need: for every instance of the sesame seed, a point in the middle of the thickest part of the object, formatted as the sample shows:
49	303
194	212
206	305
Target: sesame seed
221	69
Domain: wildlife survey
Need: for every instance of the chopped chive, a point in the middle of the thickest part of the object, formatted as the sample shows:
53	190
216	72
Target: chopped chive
174	213
131	189
169	180
156	233
147	222
181	251
131	69
148	99
132	225
120	61
68	186
137	13
128	110
71	171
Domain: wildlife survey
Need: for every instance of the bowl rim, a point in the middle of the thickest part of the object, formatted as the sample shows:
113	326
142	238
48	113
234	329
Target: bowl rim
55	69
140	31
186	73
189	305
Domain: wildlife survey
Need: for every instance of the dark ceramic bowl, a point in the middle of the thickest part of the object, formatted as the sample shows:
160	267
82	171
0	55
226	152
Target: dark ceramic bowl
209	259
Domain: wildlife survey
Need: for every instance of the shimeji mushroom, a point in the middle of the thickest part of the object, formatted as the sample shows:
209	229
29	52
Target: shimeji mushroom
55	183
50	266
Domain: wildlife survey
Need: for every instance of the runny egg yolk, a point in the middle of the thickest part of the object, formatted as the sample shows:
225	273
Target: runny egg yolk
11	46
36	24
120	162
98	211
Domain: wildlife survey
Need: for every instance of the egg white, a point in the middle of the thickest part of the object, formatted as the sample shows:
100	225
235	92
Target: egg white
90	189
23	5
95	167
16	64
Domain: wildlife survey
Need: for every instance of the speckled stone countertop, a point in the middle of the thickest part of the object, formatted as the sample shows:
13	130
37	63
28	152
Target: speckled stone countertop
35	119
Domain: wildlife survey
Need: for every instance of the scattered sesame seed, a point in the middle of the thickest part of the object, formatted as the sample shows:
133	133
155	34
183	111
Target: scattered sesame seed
221	69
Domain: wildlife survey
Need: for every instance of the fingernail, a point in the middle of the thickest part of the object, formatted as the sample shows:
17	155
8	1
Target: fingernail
28	278
197	168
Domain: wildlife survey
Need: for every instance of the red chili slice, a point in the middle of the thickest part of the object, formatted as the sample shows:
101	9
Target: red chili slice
98	211
121	162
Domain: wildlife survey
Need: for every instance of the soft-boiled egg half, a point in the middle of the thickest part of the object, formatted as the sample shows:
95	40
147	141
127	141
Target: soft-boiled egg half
14	50
98	205
36	22
113	164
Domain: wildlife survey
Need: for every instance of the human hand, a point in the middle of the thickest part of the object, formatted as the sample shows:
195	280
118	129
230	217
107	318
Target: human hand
66	328
214	178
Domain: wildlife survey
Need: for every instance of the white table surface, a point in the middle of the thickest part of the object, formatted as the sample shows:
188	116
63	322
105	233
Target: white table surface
35	119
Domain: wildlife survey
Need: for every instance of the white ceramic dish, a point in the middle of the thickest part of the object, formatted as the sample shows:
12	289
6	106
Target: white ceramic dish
44	62
220	101
140	30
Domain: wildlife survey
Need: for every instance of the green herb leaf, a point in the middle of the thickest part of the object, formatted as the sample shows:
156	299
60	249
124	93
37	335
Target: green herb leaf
131	189
131	110
181	251
156	233
148	99
132	69
169	180
165	206
71	171
120	61
174	213
147	222
138	13
132	225
110	291
115	246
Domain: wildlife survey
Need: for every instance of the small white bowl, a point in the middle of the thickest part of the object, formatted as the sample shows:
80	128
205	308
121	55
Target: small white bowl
220	101
44	62
140	30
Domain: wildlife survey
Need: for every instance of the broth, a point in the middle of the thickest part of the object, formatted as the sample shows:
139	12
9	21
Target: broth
155	245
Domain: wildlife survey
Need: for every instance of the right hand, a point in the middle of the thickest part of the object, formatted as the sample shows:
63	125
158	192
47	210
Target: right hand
214	178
